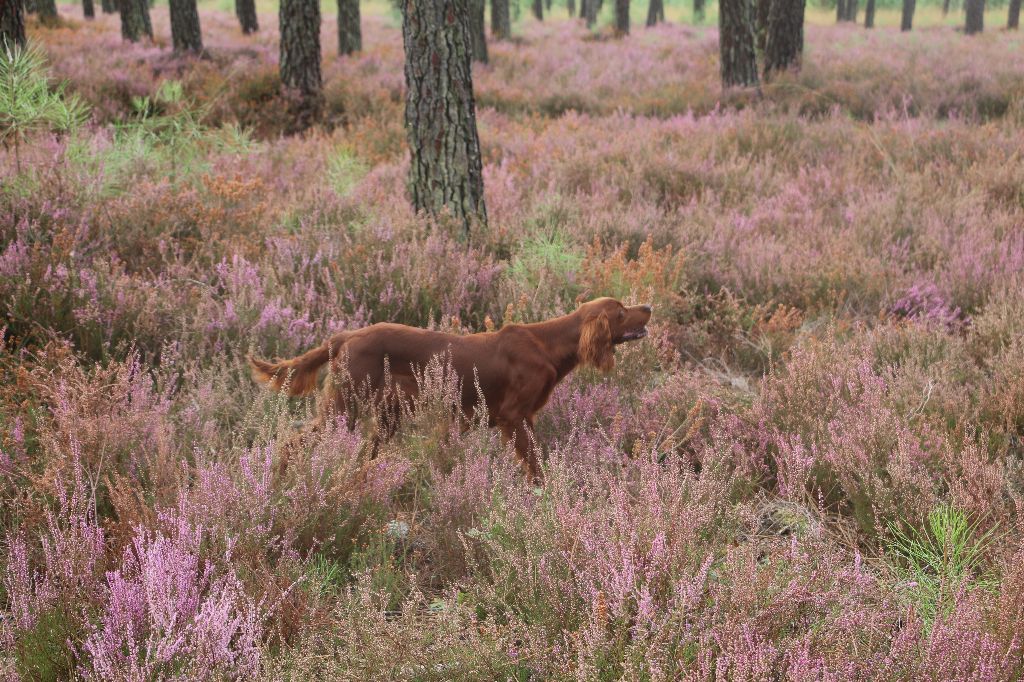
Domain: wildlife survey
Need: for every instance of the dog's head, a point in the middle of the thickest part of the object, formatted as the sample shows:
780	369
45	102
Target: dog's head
605	324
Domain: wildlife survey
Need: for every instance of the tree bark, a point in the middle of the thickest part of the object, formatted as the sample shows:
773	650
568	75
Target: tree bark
622	17
784	44
538	9
975	16
12	24
840	11
869	14
736	43
907	20
350	30
108	6
501	24
1013	17
851	11
135	21
440	113
699	11
477	34
590	8
300	46
245	10
655	12
185	32
88	9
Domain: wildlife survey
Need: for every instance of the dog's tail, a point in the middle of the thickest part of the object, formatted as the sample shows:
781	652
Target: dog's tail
297	376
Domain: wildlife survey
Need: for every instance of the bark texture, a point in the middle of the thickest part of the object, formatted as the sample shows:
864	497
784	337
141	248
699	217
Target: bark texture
622	17
762	8
869	14
784	43
736	43
350	30
440	112
590	8
300	46
245	10
1013	16
501	23
538	9
478	36
134	20
907	20
840	10
185	32
88	9
975	16
12	24
655	12
47	10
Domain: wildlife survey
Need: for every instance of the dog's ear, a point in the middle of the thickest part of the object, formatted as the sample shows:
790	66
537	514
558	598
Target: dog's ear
596	343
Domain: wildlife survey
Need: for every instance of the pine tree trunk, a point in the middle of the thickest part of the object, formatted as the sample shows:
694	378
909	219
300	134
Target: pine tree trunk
907	20
478	35
501	25
108	6
47	10
135	21
1013	17
185	32
784	43
538	9
590	8
975	16
851	11
762	10
622	17
655	12
300	46
869	14
570	5
245	10
350	30
699	11
88	9
440	113
12	24
736	43
840	11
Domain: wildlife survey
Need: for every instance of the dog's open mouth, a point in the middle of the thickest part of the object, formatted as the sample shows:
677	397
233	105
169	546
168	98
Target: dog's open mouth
632	335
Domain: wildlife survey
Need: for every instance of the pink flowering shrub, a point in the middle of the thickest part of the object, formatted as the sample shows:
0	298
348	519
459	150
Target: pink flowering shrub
837	275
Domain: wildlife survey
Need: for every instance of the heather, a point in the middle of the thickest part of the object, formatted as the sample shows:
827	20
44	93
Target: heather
811	470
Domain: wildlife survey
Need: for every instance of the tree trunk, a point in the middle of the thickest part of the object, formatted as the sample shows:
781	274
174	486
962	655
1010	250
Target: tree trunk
784	44
88	9
975	16
300	57
300	45
699	12
538	9
840	11
350	30
245	10
440	113
134	20
12	24
945	8
869	14
501	25
590	12
736	43
570	5
851	11
1013	18
547	3
622	17
108	6
477	34
185	33
655	12
762	11
30	6
907	20
47	10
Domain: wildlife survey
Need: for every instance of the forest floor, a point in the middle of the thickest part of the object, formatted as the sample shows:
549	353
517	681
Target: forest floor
812	469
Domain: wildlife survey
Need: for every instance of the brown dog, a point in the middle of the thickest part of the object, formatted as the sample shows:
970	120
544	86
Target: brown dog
515	368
